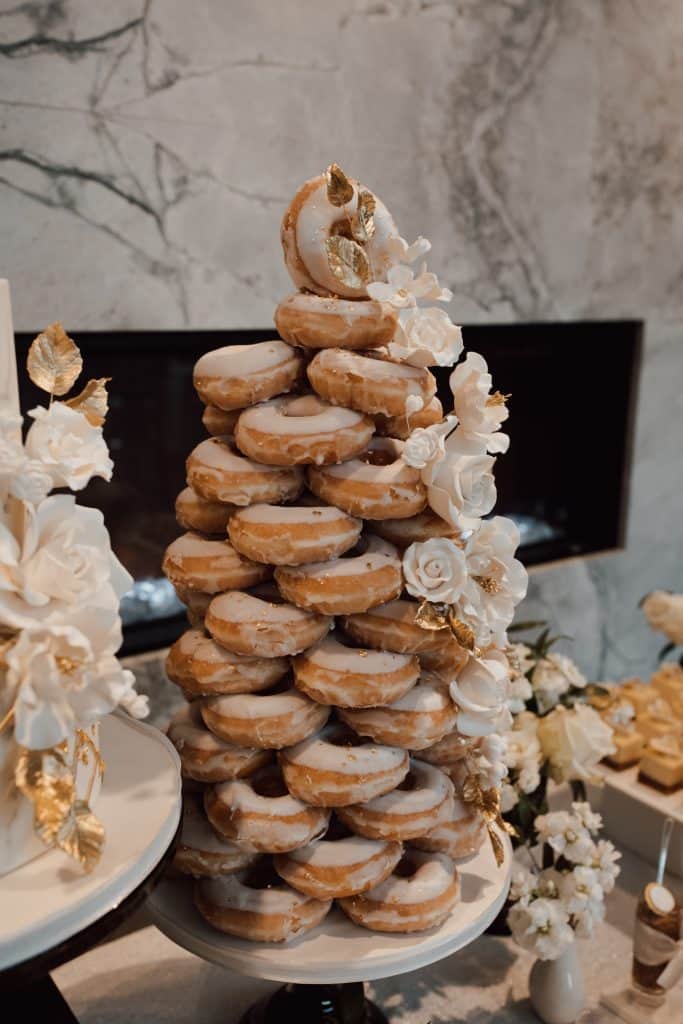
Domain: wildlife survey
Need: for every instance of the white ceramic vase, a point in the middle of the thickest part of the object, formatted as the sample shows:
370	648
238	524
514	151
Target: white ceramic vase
556	988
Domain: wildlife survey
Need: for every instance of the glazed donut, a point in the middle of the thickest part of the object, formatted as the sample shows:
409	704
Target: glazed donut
317	322
196	604
415	530
204	756
197	563
368	384
347	677
292	535
311	220
220	421
402	426
446	660
256	904
261	816
337	768
298	431
196	513
448	750
421	717
249	625
339	864
392	627
421	802
200	852
460	836
352	583
217	472
271	720
419	894
374	485
240	375
202	668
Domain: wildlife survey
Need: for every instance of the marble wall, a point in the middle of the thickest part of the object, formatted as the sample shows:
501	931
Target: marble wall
148	147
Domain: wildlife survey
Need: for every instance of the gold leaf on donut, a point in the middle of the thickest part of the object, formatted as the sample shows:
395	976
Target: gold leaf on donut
82	835
54	361
463	633
431	616
339	188
92	401
363	220
347	261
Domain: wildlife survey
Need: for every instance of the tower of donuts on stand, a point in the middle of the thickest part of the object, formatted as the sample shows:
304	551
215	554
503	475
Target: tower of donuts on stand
344	671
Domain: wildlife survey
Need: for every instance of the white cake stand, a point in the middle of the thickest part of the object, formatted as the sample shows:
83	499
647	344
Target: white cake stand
325	968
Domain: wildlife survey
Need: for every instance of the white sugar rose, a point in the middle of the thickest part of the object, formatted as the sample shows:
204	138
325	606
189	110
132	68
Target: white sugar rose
20	476
481	693
69	447
463	489
490	761
664	612
54	557
480	413
426	337
574	741
435	570
425	448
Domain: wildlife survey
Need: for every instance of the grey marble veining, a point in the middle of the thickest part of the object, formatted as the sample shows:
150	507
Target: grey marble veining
148	147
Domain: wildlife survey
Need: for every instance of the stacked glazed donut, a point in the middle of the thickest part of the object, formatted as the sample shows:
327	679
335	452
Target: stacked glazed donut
320	739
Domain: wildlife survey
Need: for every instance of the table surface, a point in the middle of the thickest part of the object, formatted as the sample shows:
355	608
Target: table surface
143	976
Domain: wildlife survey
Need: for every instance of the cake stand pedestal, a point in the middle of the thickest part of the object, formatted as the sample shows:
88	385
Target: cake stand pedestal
323	971
51	910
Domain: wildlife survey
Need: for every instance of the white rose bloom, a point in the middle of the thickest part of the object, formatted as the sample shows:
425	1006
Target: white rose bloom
435	570
463	489
425	447
426	337
574	741
664	612
70	448
55	556
541	927
480	413
481	692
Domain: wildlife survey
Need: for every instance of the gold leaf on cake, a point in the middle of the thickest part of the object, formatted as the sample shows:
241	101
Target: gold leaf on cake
92	401
496	845
347	261
363	220
82	835
339	188
431	616
45	779
54	361
463	633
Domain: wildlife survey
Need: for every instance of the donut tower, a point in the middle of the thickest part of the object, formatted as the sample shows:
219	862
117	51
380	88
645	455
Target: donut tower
345	673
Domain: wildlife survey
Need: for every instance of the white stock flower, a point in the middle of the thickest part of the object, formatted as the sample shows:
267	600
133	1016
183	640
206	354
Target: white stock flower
425	447
523	752
54	557
69	447
426	337
520	693
529	775
552	677
541	927
463	489
435	570
480	692
589	818
509	797
583	921
580	889
480	413
574	741
522	885
565	834
605	857
548	884
664	613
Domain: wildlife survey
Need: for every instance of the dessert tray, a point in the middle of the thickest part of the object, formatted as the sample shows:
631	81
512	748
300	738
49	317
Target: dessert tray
338	951
49	900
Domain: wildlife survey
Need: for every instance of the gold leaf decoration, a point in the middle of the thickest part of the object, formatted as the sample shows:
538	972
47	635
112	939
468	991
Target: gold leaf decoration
92	401
363	220
339	188
497	398
496	845
489	584
44	779
82	835
54	361
431	616
463	633
347	261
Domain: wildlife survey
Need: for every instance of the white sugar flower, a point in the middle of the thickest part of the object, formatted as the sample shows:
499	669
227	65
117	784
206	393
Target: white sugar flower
480	413
20	476
31	482
480	692
426	337
552	677
69	447
400	251
522	740
566	836
522	885
489	761
605	857
463	490
574	741
425	447
402	288
589	818
435	570
664	613
541	927
580	889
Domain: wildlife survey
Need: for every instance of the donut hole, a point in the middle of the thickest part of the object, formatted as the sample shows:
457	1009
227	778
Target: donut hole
262	875
345	738
337	831
269	784
307	405
409	783
407	867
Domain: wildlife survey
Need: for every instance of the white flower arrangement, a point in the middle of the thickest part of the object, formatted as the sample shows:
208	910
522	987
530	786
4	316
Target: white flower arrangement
60	586
565	898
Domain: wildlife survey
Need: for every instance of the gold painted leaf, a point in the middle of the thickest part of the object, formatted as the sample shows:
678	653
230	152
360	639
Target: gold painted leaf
92	401
463	633
431	616
44	779
489	803
471	791
339	188
363	220
54	361
347	261
82	836
497	845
